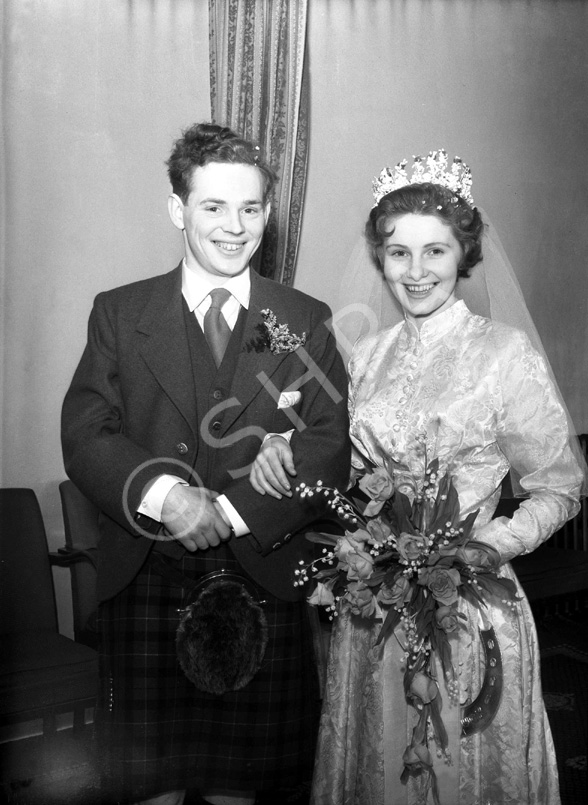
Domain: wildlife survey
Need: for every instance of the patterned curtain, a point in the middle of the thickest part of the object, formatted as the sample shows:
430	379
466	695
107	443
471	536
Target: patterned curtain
259	88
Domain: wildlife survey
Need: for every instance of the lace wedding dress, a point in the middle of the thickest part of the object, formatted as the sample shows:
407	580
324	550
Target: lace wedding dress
484	401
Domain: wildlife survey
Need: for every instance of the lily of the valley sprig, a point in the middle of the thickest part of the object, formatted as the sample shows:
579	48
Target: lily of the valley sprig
280	338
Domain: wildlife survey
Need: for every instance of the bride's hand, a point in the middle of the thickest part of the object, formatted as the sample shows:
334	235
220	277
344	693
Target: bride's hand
480	555
268	471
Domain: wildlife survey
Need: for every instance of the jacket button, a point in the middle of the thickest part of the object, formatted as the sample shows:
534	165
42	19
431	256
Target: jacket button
182	448
217	394
276	545
216	425
287	537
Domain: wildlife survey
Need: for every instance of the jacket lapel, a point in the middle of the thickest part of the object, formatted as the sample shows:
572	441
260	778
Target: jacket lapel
255	355
164	344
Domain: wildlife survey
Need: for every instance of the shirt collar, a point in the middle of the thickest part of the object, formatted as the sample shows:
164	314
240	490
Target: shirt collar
195	289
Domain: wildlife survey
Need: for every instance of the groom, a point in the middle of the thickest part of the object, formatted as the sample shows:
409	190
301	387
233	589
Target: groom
182	377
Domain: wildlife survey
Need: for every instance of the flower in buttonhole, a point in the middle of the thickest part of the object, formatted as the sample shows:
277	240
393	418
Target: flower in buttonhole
447	619
379	531
322	596
361	599
422	687
395	594
411	546
279	336
442	582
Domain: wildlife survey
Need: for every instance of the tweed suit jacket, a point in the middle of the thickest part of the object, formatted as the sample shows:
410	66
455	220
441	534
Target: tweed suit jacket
130	415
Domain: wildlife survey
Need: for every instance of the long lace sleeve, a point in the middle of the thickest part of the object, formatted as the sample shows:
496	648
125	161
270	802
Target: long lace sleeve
533	435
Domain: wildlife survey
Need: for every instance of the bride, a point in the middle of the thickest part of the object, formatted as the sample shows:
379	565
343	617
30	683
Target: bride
482	399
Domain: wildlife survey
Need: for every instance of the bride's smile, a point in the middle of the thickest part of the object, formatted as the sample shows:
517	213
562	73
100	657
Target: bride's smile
420	290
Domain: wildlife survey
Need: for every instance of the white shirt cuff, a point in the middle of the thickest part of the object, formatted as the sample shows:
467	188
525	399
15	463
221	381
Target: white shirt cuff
153	500
152	503
238	525
287	435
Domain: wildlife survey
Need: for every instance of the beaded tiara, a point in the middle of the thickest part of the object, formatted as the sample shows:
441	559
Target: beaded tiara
432	168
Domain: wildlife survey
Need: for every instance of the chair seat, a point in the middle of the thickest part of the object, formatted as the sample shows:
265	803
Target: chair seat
42	669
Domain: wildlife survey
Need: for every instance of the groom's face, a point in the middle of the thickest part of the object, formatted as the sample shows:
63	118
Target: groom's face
223	219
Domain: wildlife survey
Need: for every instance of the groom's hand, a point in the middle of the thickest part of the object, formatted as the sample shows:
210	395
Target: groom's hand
191	517
268	471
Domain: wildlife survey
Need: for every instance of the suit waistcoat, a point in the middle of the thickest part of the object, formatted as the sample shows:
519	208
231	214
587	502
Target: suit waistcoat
212	387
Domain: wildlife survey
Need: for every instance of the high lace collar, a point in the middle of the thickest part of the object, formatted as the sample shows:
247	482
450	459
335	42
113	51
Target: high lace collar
437	326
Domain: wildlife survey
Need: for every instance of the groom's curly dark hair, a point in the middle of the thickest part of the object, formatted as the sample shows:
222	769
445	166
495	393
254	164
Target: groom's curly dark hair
428	199
203	143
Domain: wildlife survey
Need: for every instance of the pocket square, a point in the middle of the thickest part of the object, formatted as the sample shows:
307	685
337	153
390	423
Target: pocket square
289	398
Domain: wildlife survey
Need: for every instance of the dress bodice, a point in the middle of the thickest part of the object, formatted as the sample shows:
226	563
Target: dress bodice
477	395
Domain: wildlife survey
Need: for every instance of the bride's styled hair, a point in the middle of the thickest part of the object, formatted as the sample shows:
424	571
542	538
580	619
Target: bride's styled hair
428	199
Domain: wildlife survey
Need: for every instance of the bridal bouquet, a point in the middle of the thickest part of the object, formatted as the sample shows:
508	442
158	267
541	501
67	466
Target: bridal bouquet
406	558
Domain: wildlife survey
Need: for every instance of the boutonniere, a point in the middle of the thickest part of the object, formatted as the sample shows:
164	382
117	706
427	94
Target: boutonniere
279	336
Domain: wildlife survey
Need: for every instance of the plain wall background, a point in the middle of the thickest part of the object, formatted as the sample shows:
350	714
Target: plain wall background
95	91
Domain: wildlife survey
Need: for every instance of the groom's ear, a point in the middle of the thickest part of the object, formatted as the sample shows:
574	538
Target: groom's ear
266	212
175	208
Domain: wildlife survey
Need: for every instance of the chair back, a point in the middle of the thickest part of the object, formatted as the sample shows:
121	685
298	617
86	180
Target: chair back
27	596
80	519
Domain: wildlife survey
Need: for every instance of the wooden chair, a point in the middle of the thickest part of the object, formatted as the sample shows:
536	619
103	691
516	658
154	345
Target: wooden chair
42	673
80	518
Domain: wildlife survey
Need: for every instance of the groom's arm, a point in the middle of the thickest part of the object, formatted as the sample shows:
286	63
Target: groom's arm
321	443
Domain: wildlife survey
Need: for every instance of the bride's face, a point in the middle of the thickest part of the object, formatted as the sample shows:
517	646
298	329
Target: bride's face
420	261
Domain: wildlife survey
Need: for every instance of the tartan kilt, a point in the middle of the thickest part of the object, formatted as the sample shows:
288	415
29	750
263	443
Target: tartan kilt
157	732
